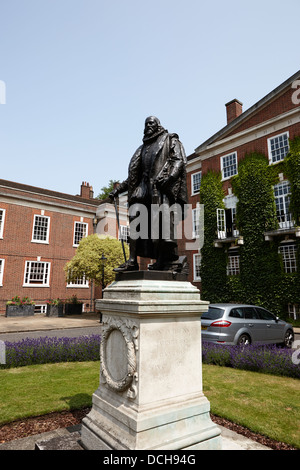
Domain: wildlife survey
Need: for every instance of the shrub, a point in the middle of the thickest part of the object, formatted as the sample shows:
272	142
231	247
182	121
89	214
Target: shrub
51	350
268	359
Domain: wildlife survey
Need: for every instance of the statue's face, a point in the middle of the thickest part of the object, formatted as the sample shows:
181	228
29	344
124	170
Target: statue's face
151	126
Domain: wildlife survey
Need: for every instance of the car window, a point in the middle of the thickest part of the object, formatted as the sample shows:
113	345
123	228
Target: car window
264	314
213	313
250	313
236	313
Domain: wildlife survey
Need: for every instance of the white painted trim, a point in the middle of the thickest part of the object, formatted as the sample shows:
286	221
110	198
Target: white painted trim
222	166
87	231
45	242
196	278
269	146
37	285
194	193
3	221
2	271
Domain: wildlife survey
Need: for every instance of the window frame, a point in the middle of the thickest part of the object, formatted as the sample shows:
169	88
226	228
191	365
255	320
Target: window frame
41	307
83	284
233	269
124	236
284	200
224	178
197	191
2	264
221	224
74	231
289	263
196	222
34	240
2	222
271	162
46	274
196	277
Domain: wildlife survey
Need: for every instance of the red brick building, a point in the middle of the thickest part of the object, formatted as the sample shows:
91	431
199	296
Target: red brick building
39	232
266	127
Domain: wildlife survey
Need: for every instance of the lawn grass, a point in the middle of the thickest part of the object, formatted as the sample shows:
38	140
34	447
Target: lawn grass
40	389
266	404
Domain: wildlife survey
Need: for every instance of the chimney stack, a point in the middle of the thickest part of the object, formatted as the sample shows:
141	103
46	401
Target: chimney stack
233	110
86	191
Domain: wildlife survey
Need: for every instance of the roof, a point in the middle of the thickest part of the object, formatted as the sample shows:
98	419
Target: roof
246	115
47	192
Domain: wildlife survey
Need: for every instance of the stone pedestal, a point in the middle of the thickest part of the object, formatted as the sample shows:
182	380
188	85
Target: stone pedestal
150	394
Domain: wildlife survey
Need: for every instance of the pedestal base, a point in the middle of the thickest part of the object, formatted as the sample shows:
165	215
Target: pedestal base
150	394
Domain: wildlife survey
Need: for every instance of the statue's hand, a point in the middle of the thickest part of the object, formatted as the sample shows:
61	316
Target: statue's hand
113	194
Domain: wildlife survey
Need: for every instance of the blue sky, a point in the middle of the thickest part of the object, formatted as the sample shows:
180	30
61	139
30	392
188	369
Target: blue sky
81	76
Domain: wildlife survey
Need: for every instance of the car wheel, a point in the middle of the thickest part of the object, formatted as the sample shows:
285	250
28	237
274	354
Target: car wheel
244	340
288	339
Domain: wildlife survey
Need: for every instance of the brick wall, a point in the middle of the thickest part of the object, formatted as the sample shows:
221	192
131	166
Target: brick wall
256	140
278	106
17	247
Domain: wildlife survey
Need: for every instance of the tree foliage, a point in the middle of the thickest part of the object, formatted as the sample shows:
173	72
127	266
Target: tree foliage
87	260
106	190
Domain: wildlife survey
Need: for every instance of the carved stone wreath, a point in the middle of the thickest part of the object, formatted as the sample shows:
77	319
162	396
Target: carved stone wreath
129	332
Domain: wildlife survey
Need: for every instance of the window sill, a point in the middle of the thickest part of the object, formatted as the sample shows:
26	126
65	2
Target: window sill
228	177
78	287
34	285
239	240
282	231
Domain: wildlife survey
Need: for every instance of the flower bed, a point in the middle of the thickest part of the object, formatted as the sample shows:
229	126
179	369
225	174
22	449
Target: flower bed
51	350
17	307
259	358
268	359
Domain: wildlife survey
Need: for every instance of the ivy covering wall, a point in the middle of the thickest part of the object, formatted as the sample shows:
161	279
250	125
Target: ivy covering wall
262	279
213	260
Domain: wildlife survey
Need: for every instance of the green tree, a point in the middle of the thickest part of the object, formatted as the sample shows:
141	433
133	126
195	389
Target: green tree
106	190
87	260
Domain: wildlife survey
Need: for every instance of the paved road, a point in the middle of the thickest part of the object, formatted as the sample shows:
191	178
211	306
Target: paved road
68	332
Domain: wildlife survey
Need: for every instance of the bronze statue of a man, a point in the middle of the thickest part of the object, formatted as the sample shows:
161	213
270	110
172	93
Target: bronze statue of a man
156	177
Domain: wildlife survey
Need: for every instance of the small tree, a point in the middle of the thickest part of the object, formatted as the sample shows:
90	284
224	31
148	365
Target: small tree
106	190
87	260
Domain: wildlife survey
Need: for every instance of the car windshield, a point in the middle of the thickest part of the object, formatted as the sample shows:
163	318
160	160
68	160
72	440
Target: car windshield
213	313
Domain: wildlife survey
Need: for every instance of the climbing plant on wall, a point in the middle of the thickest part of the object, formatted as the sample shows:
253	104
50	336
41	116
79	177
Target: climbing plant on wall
262	279
260	271
292	172
213	260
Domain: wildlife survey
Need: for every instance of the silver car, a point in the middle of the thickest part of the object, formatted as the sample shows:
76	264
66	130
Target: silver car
244	324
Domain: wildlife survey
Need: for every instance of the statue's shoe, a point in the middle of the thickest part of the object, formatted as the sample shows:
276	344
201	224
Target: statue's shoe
128	266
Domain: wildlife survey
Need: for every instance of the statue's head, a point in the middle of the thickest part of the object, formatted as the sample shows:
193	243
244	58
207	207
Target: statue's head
152	125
